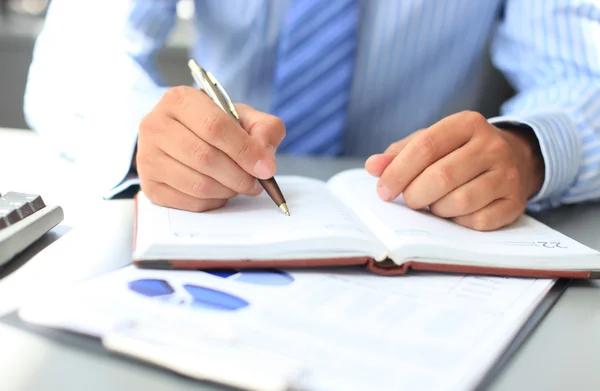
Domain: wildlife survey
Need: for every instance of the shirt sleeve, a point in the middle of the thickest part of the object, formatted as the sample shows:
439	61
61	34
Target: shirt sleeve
550	52
93	78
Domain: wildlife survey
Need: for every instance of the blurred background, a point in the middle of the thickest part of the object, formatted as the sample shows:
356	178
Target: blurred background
20	23
22	20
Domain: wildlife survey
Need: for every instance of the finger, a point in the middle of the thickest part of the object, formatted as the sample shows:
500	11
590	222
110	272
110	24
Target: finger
164	195
471	196
442	177
376	164
189	181
264	126
398	146
197	112
497	214
421	151
183	145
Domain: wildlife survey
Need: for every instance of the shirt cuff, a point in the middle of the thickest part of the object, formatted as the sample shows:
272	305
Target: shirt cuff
560	146
110	143
130	180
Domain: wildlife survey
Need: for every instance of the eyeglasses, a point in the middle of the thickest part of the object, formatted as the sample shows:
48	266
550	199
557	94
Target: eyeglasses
188	294
208	298
272	277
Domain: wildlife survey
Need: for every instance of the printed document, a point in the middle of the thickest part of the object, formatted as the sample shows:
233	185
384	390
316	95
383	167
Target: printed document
348	328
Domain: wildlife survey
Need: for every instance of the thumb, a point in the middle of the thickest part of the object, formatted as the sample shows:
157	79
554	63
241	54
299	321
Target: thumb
267	128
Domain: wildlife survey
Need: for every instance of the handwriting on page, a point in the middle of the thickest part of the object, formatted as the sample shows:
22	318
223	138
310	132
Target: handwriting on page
314	213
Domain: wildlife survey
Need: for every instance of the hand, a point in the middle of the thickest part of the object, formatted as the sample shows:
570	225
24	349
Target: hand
191	155
463	168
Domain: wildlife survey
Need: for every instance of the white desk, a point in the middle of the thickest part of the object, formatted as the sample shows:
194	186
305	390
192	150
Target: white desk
562	353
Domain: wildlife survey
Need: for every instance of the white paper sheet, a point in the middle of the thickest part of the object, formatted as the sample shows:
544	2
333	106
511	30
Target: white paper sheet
350	329
250	226
403	229
255	220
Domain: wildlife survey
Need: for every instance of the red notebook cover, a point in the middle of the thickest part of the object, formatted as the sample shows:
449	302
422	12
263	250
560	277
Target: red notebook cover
387	268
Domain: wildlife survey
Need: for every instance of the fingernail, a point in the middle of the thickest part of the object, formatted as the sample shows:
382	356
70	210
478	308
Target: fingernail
263	170
384	193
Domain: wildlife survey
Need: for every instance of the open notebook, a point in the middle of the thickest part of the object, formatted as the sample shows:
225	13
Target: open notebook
343	222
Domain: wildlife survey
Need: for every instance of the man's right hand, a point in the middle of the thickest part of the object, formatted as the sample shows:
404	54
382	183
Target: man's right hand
191	155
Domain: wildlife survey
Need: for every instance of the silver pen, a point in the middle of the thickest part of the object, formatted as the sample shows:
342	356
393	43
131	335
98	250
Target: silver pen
211	86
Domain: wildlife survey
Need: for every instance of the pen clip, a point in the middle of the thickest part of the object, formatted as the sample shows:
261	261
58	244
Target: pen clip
211	86
230	105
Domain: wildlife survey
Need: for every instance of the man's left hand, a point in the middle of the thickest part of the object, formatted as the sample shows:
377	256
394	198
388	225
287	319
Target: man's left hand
463	168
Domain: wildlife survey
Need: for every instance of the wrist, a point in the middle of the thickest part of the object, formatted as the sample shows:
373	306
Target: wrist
527	154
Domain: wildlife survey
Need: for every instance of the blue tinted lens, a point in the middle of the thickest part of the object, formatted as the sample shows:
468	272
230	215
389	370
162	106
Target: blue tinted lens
151	288
223	273
213	299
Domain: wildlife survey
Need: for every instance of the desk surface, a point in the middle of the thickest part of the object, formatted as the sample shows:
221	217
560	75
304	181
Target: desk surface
561	353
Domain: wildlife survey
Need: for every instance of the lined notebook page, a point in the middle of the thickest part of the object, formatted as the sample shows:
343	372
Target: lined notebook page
399	227
247	221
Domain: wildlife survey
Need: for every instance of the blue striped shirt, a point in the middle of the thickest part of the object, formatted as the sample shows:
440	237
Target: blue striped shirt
94	75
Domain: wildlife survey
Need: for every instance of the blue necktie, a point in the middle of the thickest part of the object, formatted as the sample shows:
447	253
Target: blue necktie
313	75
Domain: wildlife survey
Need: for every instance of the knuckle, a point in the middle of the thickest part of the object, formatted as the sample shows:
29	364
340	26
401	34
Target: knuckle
245	184
142	159
411	199
426	148
200	187
213	126
481	222
445	175
205	155
512	175
461	201
475	119
148	125
498	146
176	95
243	152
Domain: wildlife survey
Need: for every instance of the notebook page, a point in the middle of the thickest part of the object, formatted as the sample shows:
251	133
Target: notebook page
412	234
350	330
249	222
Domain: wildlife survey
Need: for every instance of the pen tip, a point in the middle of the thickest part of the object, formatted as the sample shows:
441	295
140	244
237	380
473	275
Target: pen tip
284	209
